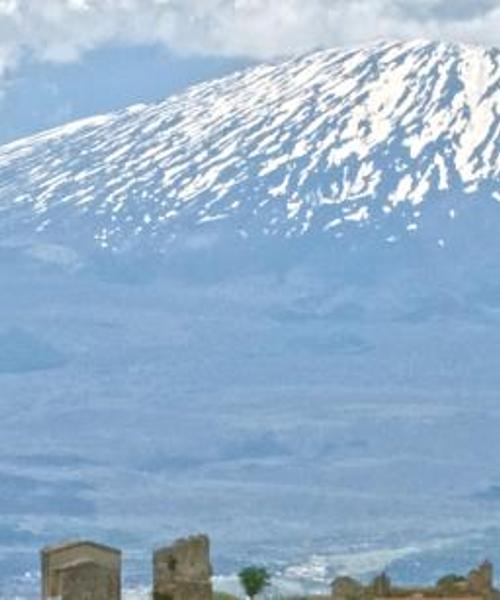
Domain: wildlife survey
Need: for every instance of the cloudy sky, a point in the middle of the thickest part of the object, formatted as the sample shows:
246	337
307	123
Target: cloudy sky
62	59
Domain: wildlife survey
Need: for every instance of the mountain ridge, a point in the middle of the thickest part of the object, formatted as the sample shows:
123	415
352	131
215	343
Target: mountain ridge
330	142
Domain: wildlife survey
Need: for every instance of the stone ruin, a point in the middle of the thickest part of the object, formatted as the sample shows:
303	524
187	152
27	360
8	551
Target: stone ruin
89	571
480	581
183	571
478	585
81	571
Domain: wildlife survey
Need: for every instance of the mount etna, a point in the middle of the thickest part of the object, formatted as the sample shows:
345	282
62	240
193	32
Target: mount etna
211	308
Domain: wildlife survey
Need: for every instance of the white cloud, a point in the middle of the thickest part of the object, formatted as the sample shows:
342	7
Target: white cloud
61	30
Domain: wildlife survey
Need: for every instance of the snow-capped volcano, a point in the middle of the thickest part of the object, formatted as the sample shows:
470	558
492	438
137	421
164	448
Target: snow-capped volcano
331	142
282	394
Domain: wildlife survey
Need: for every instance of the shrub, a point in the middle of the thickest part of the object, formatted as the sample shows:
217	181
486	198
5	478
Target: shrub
450	581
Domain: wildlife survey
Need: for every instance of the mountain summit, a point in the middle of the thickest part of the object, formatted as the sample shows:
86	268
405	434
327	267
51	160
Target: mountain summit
329	142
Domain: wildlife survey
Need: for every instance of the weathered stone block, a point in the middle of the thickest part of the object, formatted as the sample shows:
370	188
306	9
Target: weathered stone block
81	571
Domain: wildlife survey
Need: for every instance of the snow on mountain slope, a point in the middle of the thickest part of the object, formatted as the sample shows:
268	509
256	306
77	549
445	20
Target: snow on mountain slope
328	142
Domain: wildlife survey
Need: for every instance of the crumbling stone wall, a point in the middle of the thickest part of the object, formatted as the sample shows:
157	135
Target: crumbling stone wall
183	571
478	585
81	571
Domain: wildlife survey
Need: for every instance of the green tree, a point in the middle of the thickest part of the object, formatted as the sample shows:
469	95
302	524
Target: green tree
450	583
254	580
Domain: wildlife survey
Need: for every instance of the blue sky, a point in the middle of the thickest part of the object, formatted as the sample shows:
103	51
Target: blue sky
41	95
64	59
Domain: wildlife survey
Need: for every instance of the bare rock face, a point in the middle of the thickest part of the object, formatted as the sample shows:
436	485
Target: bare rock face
183	571
81	571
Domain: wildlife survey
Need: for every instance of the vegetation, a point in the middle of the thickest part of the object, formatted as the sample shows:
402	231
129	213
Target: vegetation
254	580
451	580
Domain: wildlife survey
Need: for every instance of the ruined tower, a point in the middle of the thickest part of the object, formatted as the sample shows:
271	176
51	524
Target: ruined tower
81	571
480	580
183	571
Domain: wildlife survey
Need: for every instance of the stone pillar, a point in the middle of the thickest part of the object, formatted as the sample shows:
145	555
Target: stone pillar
81	571
183	571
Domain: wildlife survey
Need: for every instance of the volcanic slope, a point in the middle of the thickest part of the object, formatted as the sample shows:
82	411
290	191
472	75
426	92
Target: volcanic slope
330	142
